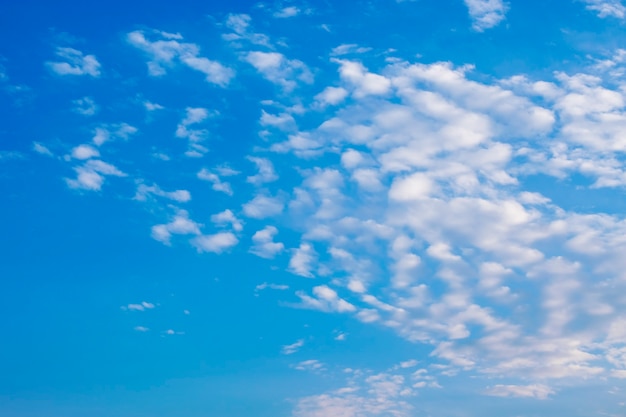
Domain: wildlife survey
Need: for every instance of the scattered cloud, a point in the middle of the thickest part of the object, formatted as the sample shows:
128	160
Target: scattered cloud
216	183
143	306
263	206
85	106
276	68
227	217
265	285
287	12
540	392
240	26
311	365
73	62
215	243
325	299
181	224
42	149
167	50
486	14
143	191
606	8
302	260
265	173
92	174
264	245
293	348
83	152
194	116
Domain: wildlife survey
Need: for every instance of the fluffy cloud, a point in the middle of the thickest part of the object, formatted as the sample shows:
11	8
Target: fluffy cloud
215	180
486	14
227	217
264	245
265	173
84	152
215	243
449	225
263	206
92	174
73	62
181	224
168	50
186	129
275	67
302	260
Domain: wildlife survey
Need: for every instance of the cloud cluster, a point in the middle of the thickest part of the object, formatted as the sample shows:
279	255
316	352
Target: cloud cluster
168	49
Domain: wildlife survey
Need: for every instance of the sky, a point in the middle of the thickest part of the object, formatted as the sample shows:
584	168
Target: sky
313	209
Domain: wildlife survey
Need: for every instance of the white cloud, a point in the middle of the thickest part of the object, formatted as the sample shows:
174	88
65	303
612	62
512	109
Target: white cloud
83	152
325	299
369	395
141	329
215	243
283	121
302	260
293	348
92	174
286	12
74	63
172	332
265	285
349	48
167	51
239	24
41	149
362	81
311	365
194	116
109	132
85	106
331	96
264	245
606	8
263	206
150	106
540	392
143	191
227	217
181	224
143	306
275	67
486	14
265	173
449	243
217	183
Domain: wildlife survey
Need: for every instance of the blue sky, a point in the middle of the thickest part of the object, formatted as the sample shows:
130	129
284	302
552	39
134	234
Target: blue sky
305	209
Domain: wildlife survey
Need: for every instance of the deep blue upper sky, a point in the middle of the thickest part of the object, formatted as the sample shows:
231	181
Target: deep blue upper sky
306	209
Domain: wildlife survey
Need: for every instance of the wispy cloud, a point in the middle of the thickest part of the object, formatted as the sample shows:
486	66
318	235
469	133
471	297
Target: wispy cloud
74	62
606	8
167	50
